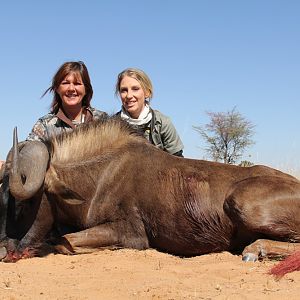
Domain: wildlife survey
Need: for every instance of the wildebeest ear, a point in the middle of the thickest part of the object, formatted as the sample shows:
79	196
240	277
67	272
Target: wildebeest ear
67	195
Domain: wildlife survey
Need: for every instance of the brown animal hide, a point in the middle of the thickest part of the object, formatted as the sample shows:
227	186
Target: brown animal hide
117	190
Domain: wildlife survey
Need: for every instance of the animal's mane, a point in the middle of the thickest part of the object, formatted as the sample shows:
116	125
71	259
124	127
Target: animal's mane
93	138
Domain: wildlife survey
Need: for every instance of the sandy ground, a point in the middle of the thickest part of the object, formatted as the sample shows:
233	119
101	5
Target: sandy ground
132	274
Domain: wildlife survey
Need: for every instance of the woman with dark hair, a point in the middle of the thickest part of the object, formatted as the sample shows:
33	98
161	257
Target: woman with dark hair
70	107
72	95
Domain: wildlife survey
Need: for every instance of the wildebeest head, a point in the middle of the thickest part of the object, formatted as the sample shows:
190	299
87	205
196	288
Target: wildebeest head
26	163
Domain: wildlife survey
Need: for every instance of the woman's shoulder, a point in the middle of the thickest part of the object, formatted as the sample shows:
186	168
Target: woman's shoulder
96	112
40	128
47	118
160	117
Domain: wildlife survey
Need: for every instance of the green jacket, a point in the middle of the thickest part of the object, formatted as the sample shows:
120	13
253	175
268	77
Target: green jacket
161	132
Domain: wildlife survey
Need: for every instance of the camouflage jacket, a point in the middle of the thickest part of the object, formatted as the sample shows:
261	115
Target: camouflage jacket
53	124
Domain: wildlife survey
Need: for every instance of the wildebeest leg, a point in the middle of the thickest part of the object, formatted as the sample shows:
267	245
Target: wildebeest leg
3	212
266	248
266	210
4	216
104	236
35	235
4	196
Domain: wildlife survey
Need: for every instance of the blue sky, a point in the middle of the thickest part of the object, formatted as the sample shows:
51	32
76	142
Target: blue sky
201	56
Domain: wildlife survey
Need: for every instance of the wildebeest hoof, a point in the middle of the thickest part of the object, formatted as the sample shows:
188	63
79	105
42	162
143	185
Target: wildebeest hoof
250	257
14	256
3	253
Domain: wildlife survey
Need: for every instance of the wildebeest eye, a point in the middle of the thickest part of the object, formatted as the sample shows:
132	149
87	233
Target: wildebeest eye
23	178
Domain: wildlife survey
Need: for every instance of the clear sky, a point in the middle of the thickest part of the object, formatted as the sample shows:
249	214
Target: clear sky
201	56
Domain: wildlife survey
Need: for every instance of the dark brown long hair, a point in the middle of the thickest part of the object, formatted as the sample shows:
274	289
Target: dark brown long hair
70	67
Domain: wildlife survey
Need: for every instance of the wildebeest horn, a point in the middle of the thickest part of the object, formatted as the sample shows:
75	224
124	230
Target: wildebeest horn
28	168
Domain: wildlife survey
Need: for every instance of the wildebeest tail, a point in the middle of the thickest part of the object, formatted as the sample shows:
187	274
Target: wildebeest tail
290	264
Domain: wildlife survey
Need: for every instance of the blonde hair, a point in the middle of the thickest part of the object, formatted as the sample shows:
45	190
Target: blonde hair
141	77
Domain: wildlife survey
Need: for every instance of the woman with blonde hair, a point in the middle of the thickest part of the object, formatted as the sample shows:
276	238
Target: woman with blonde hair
135	90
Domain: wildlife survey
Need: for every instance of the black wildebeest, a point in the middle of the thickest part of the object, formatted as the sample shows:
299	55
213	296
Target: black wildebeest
117	190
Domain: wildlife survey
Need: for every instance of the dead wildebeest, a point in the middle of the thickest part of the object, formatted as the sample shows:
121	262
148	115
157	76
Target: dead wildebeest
117	190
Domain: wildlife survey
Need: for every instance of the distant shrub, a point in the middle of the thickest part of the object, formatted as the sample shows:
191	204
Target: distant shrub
246	163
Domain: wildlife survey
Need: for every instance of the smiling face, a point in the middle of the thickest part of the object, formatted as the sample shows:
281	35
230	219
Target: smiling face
132	96
71	91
